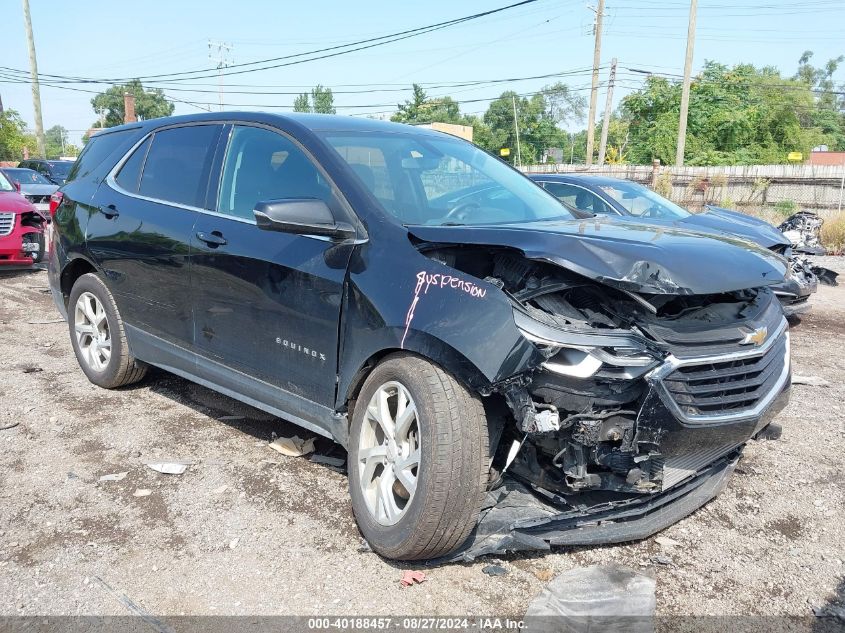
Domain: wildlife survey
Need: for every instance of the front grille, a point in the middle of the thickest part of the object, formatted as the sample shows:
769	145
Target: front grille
730	386
7	223
38	199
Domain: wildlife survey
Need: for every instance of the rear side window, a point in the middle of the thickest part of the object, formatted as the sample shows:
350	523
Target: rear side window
130	174
99	147
178	163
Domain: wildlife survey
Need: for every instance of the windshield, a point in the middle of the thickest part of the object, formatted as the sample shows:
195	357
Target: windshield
422	179
60	168
643	202
27	176
5	185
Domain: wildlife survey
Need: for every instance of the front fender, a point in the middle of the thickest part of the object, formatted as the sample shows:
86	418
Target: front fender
462	323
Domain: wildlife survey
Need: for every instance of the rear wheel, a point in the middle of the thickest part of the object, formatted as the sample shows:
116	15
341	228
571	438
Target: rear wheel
98	336
417	459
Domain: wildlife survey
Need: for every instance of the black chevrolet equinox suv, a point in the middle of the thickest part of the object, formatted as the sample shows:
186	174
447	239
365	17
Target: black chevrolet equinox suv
504	376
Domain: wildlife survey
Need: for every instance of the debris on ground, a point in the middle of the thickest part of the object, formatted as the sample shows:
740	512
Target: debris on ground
412	577
142	492
9	426
220	490
812	381
31	369
665	541
661	559
494	570
47	322
293	446
600	597
169	468
544	575
114	476
336	463
234	542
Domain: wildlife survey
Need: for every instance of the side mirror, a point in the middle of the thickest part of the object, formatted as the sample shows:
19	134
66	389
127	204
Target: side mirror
302	216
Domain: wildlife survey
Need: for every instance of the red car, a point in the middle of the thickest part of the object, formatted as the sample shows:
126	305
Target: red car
21	228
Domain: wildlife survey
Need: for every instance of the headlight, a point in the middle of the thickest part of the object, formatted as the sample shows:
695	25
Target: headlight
582	355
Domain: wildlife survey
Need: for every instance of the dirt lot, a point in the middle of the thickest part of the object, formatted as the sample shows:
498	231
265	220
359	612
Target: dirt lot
239	533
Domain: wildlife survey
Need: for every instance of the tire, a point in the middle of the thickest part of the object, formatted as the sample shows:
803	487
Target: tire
451	475
120	368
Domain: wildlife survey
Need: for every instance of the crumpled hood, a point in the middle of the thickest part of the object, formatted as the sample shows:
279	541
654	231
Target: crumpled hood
739	224
632	256
12	201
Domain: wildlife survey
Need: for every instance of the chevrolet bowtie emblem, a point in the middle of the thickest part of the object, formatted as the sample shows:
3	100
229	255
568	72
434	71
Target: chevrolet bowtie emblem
757	337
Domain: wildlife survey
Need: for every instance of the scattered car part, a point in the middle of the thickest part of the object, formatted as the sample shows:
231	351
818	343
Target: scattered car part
597	598
803	230
169	468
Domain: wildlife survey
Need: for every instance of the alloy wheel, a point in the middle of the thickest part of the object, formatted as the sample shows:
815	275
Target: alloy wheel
389	453
92	331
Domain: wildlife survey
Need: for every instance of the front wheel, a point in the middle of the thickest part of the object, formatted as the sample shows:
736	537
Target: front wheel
417	459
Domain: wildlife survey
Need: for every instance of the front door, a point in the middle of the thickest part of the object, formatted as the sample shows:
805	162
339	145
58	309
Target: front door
267	304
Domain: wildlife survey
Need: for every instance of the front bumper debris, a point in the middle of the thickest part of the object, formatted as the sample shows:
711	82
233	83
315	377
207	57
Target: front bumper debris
515	519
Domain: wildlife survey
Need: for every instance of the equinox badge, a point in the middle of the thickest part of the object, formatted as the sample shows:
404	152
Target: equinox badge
757	337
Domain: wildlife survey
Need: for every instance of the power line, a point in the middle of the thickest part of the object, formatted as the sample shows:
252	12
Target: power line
313	55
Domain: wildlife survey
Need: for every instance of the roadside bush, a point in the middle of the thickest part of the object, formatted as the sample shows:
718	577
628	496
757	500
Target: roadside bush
786	207
833	234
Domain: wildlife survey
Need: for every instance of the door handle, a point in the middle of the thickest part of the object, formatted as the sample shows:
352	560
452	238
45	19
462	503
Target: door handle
110	211
213	239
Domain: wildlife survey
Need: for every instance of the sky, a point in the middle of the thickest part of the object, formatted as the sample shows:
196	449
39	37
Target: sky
105	40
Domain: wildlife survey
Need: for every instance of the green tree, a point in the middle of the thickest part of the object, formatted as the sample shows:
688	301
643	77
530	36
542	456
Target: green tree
321	101
538	116
423	109
829	113
149	104
738	115
12	135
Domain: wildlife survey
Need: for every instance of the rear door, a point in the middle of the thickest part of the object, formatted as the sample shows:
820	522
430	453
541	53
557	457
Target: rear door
141	229
267	304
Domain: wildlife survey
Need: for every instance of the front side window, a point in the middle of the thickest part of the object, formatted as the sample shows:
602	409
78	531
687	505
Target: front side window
441	181
643	202
178	163
578	198
262	165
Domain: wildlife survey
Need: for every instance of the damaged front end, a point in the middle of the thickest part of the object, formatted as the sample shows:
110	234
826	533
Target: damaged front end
636	414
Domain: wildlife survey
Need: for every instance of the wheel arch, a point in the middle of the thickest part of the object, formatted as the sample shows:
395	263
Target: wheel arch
424	346
74	269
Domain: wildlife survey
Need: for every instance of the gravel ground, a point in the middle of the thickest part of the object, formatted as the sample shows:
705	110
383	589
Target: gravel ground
247	531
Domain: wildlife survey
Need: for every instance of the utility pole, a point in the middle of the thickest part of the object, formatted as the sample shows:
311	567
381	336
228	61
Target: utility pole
36	89
516	127
219	52
591	122
608	104
682	124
